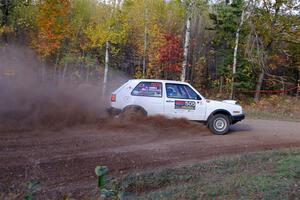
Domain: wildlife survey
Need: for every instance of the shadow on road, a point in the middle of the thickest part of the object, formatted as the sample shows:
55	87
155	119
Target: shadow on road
241	128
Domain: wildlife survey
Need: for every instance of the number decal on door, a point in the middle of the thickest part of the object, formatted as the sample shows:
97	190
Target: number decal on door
187	105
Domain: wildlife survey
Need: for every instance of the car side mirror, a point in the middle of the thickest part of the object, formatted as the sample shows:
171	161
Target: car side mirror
198	97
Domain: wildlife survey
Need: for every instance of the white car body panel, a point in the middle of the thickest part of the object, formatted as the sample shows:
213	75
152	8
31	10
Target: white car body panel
201	109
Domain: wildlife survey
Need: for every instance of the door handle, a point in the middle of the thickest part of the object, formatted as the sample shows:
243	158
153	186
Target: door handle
170	101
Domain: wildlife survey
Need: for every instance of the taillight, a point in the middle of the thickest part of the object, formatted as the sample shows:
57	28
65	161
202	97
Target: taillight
113	98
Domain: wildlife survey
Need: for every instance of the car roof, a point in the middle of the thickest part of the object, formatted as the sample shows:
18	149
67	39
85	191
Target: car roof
158	80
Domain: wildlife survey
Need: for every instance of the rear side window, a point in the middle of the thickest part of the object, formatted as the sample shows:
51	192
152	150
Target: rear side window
148	89
180	91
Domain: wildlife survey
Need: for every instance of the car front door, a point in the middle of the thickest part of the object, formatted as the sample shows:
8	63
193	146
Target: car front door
182	101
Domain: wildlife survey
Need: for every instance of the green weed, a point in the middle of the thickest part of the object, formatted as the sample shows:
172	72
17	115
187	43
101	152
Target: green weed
266	175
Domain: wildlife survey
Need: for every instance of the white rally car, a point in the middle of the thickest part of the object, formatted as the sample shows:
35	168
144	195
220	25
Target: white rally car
175	99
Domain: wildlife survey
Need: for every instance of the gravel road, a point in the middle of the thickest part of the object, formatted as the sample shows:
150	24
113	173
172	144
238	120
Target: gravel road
64	161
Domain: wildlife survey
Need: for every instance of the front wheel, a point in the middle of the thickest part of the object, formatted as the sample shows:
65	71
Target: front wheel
219	124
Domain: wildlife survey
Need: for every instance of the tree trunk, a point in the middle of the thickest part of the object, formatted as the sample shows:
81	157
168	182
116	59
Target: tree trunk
4	7
221	85
87	74
56	69
298	89
259	86
283	86
145	42
186	48
106	67
298	85
264	57
65	70
43	71
237	37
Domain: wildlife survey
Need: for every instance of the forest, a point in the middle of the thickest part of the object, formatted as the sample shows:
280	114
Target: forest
233	48
61	60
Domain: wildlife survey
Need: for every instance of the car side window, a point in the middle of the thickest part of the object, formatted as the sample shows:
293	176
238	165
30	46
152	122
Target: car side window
180	91
148	89
173	91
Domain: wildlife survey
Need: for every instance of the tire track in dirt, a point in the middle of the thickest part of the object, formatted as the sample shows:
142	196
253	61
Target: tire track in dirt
64	160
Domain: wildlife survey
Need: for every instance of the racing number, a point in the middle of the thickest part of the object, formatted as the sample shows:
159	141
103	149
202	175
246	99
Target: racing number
190	103
187	105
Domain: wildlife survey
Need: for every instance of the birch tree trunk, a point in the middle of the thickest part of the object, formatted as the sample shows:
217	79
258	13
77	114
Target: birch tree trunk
237	37
186	48
107	52
106	67
145	42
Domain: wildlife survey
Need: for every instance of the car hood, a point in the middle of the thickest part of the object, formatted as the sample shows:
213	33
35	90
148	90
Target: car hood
229	101
226	104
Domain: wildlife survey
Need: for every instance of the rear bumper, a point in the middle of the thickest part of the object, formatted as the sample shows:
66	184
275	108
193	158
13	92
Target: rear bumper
237	118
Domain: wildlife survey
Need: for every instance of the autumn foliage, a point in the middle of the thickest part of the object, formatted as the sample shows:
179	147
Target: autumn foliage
146	39
171	53
53	25
165	56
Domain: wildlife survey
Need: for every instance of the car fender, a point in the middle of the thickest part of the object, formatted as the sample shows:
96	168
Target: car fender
219	111
136	106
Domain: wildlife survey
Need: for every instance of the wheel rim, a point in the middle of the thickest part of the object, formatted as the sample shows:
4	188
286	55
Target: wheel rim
220	124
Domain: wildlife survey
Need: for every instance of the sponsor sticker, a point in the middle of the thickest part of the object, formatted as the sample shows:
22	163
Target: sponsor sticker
187	105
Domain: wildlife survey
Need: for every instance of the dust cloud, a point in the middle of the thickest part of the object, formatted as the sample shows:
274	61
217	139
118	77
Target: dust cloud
30	98
159	126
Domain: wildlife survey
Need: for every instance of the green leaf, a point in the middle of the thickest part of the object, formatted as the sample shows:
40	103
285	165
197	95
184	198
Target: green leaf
33	185
28	196
101	181
101	170
106	193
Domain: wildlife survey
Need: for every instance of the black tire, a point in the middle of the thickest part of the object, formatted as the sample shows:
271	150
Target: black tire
132	112
112	112
219	124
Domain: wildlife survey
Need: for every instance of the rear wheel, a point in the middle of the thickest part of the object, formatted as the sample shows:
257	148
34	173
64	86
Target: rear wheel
219	124
130	112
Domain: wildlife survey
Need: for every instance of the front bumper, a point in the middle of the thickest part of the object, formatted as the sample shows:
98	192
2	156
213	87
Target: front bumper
237	118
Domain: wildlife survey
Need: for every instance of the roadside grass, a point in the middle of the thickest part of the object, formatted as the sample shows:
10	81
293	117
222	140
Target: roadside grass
264	175
256	113
269	107
274	107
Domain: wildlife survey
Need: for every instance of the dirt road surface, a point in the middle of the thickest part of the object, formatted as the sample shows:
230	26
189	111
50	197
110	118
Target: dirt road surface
64	161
